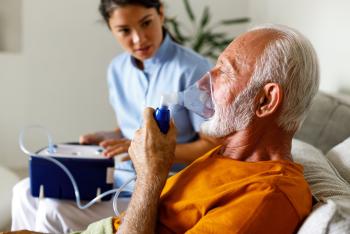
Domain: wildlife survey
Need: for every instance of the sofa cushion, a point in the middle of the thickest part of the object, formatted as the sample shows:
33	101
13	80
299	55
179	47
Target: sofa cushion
327	217
325	182
332	212
339	156
327	121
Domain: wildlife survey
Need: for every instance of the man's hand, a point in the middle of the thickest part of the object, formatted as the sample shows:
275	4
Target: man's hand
151	151
152	154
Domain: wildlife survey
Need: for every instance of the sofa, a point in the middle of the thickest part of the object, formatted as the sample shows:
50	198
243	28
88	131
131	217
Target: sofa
328	121
322	146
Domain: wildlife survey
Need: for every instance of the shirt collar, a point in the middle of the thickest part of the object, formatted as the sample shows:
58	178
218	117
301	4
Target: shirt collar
165	52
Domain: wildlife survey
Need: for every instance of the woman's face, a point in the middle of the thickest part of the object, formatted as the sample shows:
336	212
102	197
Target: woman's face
138	29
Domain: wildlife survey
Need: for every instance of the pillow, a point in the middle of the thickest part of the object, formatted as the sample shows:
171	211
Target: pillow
339	156
325	218
324	180
332	212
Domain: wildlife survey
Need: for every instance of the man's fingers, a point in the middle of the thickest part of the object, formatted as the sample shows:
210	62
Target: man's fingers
131	151
150	122
125	158
148	117
172	128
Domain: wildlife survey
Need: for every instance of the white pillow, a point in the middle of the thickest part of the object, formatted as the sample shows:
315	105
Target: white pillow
325	182
332	213
326	218
340	158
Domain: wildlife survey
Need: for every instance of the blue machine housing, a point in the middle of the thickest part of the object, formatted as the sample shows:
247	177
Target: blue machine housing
90	174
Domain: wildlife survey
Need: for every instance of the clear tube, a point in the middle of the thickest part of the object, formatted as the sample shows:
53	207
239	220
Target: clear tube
168	99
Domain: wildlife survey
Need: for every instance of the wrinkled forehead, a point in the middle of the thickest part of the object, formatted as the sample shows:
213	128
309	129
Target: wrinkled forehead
243	52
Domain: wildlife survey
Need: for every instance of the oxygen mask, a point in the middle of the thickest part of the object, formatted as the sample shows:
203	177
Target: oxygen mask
196	98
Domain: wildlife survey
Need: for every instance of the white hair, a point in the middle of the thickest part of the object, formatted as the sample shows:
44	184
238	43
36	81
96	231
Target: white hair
290	61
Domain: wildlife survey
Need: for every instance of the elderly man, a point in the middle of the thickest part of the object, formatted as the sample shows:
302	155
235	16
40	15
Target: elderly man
263	84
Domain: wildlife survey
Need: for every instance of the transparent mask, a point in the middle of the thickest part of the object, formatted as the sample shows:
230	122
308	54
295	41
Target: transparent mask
196	98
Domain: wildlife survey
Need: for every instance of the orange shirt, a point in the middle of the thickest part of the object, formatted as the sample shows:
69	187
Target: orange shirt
216	194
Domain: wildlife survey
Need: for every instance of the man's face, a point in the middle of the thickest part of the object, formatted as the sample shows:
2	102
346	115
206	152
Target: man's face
234	99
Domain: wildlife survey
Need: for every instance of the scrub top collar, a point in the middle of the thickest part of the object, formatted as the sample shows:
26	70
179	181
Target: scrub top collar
164	53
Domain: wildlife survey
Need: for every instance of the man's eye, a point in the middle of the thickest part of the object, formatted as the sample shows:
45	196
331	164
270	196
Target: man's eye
227	75
223	71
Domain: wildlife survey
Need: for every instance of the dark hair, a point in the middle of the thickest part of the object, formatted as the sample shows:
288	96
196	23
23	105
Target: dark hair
107	7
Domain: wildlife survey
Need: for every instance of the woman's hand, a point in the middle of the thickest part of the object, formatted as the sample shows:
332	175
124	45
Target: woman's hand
98	137
114	147
151	151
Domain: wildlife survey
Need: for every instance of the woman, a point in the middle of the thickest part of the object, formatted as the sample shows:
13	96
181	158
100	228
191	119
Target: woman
153	64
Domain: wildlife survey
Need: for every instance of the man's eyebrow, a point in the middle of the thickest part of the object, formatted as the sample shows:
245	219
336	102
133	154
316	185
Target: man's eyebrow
141	20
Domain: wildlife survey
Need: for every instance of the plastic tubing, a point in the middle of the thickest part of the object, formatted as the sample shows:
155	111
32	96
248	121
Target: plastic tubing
117	191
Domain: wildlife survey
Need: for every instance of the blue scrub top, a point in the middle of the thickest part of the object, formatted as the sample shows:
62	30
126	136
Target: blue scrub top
172	69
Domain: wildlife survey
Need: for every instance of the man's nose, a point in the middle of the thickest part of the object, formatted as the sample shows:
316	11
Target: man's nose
204	82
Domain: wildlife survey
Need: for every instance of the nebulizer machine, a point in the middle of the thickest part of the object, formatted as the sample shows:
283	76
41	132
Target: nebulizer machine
81	172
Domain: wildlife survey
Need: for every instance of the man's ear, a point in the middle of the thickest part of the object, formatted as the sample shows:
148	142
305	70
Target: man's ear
269	99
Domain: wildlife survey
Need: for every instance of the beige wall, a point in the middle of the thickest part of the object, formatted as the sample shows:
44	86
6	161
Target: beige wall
10	25
325	22
58	78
